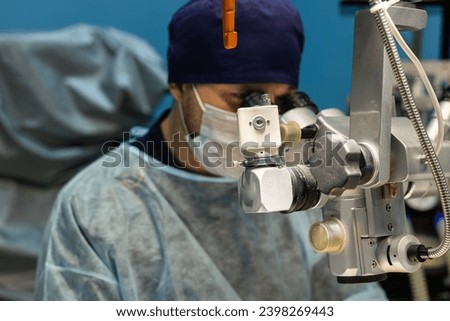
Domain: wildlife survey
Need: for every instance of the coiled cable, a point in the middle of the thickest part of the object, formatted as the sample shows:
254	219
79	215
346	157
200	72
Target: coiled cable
414	116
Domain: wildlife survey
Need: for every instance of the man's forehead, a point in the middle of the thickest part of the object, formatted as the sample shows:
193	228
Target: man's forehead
275	89
255	87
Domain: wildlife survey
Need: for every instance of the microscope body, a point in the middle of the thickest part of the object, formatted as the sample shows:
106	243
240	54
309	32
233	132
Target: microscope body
357	168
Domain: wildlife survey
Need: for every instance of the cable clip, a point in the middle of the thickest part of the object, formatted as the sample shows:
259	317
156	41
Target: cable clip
230	36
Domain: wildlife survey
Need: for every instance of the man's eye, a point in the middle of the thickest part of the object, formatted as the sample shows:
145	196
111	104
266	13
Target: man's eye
238	98
234	100
244	99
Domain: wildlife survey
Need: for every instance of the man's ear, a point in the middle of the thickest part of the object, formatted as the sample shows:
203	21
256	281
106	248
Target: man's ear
177	91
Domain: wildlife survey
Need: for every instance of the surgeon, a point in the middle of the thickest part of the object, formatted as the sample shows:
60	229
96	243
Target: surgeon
159	218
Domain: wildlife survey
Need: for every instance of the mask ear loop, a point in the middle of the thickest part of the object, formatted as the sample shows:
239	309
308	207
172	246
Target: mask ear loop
181	113
197	96
183	120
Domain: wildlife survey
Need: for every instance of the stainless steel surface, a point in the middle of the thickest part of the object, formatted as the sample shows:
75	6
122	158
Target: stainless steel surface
257	193
371	99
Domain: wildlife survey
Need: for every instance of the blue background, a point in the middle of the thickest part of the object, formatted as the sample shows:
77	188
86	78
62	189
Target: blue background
326	65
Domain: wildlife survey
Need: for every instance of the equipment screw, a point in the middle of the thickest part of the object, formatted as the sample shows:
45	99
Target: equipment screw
259	123
374	264
390	227
388	207
266	99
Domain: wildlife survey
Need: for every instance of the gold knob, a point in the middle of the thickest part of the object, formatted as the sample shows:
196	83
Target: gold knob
291	133
327	236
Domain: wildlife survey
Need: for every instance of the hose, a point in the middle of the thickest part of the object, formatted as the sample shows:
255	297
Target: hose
414	116
419	286
418	280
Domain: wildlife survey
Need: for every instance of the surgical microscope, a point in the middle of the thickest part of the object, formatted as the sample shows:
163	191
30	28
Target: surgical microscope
358	169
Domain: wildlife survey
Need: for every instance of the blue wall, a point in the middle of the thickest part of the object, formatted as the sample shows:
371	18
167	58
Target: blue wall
326	67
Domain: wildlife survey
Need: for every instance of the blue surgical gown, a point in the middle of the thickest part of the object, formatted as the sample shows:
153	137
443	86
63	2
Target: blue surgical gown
131	228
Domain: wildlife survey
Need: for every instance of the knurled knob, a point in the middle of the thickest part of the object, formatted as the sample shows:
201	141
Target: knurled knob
327	236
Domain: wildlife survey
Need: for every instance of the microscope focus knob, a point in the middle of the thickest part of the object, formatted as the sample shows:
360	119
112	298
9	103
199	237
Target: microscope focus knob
327	236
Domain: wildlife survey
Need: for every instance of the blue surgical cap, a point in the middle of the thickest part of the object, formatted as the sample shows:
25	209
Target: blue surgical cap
270	43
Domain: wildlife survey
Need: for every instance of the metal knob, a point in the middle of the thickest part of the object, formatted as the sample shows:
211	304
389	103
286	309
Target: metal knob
327	236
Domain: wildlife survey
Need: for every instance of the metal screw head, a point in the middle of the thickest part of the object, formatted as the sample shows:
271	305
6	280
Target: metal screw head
371	243
390	227
259	123
374	264
266	99
393	190
388	207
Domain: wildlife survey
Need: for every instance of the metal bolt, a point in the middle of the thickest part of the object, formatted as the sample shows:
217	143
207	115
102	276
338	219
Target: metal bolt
265	100
390	227
388	207
374	264
371	243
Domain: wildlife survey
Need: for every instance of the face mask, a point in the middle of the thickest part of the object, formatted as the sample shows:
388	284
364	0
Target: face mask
217	145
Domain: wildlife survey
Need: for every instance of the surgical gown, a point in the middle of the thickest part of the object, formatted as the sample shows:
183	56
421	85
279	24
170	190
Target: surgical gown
131	228
65	95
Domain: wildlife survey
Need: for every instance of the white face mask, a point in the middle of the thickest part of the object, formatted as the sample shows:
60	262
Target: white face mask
217	145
